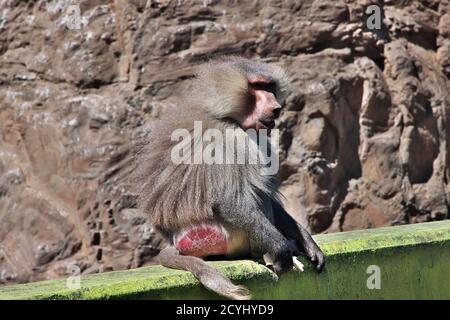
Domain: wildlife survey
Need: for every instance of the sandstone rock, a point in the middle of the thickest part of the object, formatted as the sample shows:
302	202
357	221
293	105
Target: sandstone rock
364	132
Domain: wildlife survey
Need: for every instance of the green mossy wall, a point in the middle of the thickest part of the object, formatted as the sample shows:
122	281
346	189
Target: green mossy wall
414	261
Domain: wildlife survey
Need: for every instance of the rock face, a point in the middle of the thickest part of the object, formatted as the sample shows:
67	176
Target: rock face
365	131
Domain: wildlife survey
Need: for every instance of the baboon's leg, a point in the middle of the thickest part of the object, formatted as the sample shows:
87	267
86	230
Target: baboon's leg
209	276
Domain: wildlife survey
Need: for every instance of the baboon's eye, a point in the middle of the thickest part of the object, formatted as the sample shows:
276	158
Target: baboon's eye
265	86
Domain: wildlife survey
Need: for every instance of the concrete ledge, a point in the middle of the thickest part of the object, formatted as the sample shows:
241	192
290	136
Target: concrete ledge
414	262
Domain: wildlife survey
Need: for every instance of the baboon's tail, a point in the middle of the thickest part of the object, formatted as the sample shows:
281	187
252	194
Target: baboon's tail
210	277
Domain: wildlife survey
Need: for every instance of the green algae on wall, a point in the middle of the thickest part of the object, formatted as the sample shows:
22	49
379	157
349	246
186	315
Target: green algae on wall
412	260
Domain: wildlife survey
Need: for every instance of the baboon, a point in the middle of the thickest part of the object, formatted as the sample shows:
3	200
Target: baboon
220	209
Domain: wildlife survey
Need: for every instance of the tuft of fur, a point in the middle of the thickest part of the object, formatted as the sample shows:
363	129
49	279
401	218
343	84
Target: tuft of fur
179	195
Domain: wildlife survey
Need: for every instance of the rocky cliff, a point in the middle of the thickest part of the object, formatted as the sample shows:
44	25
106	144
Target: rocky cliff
365	129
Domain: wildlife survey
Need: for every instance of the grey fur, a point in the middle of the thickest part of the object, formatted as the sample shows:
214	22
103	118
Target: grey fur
177	196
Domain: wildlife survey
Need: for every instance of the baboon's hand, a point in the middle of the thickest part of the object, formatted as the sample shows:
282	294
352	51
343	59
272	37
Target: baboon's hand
282	259
314	254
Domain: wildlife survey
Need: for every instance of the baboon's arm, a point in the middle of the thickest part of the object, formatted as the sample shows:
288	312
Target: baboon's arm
293	230
264	237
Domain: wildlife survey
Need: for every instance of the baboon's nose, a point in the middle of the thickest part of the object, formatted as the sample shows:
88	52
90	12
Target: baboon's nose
276	111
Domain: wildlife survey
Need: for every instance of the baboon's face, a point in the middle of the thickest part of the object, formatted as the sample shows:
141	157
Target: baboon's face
262	108
244	91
